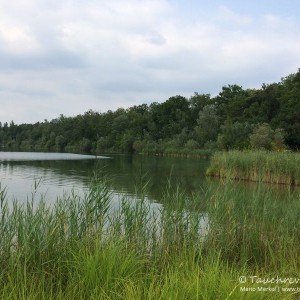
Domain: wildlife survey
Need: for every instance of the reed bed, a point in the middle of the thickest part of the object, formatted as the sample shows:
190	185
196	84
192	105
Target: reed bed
183	153
88	248
265	166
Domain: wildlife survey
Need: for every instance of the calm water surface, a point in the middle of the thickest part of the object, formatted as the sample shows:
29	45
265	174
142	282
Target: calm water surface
53	174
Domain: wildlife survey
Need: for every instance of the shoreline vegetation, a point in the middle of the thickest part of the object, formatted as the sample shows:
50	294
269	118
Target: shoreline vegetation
265	166
184	153
236	118
79	248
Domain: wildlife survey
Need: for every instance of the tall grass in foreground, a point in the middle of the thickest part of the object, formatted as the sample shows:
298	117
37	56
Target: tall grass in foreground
272	167
89	249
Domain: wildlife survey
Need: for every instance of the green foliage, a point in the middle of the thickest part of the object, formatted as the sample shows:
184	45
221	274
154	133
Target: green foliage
264	137
278	143
197	103
207	125
60	143
85	145
288	117
87	248
192	145
227	119
234	136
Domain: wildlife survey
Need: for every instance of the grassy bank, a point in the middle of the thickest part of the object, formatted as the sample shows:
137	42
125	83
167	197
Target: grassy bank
85	249
271	167
183	153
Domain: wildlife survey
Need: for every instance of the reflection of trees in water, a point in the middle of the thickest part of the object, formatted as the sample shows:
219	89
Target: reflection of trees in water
125	172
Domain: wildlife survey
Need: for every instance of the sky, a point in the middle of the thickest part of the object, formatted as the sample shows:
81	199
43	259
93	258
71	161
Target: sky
70	56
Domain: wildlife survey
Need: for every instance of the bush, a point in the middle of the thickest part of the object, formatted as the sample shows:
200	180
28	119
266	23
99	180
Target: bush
192	145
265	138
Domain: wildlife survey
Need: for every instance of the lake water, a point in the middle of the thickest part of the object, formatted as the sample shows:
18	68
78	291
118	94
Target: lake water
53	174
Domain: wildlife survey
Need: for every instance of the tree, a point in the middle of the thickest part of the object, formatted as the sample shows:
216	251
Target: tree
60	143
234	135
170	117
278	140
264	137
288	116
230	103
207	125
197	103
85	145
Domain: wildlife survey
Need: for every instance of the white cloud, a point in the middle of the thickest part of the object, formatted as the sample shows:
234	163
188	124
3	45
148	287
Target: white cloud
227	15
70	56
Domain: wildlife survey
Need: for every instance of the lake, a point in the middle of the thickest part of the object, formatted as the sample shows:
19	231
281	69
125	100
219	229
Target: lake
50	175
53	174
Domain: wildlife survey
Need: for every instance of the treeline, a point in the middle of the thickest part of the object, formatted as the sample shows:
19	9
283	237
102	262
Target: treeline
237	118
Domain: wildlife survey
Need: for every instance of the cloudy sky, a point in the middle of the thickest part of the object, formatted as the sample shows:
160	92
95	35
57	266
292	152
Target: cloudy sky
69	56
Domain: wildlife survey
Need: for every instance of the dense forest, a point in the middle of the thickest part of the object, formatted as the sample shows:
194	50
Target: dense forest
236	118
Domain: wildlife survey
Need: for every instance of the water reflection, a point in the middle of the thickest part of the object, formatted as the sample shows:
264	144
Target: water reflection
66	173
59	173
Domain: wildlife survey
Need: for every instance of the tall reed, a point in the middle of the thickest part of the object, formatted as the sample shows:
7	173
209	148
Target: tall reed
271	167
90	248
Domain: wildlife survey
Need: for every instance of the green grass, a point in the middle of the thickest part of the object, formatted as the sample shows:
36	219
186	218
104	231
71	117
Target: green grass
271	167
80	248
